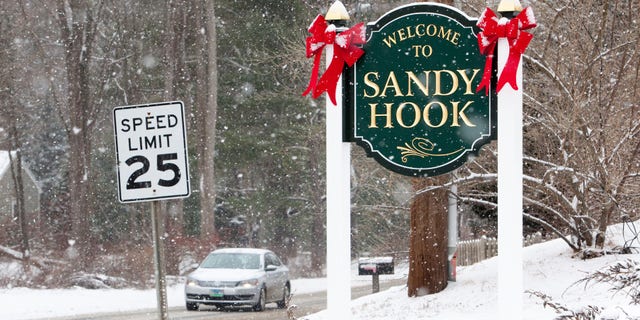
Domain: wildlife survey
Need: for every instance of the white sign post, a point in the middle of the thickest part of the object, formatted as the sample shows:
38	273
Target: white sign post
510	283
151	152
338	157
338	166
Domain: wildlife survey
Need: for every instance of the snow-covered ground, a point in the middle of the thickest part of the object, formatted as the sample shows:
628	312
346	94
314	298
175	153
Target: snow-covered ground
549	268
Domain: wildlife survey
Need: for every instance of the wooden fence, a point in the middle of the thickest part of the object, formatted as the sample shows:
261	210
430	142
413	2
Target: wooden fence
473	251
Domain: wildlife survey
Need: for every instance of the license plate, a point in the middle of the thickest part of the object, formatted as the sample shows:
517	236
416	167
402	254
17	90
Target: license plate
216	293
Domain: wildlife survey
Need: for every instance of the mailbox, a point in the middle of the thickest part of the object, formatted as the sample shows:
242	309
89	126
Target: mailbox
375	266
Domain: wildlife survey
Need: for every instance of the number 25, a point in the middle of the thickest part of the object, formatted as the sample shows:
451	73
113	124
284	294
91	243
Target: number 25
162	166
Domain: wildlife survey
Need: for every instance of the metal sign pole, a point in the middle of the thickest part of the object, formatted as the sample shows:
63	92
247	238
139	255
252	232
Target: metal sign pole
158	256
452	245
153	164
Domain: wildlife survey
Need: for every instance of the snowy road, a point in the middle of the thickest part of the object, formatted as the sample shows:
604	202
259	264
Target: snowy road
306	303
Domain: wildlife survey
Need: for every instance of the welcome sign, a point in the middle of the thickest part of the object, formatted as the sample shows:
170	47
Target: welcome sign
414	105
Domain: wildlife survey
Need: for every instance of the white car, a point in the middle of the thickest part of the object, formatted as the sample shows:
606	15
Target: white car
238	277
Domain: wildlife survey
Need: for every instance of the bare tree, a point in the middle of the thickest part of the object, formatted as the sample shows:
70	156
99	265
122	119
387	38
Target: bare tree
582	119
77	24
582	130
11	116
172	211
208	112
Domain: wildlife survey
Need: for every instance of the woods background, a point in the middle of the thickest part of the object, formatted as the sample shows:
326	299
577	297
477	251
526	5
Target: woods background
256	145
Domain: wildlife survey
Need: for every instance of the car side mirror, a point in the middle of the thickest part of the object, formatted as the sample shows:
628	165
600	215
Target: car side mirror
271	268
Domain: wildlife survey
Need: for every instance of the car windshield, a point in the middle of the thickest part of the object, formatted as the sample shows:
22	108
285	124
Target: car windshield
232	261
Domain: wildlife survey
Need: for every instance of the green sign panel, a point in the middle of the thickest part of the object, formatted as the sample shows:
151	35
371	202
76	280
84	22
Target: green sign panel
413	94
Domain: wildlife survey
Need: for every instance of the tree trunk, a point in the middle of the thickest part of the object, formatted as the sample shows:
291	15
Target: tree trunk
209	111
172	214
428	237
12	118
318	200
18	186
201	98
77	26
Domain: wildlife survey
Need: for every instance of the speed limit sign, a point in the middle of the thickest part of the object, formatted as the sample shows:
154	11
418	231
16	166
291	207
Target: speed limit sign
151	152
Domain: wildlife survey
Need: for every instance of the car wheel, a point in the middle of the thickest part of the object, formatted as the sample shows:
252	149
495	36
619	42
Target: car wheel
261	301
192	306
285	297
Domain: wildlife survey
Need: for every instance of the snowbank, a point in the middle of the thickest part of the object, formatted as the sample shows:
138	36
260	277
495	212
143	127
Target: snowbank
549	268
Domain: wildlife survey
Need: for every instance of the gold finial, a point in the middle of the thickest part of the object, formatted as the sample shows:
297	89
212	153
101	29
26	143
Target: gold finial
509	6
337	12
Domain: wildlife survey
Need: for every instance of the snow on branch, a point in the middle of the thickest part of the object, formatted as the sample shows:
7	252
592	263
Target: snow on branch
550	187
478	201
11	253
553	167
550	227
623	276
587	313
42	263
551	75
629	136
457	181
547	208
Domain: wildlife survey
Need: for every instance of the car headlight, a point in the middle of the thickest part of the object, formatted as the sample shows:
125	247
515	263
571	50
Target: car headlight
192	282
248	283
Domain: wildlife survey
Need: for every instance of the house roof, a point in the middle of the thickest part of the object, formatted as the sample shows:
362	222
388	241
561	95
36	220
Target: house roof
4	162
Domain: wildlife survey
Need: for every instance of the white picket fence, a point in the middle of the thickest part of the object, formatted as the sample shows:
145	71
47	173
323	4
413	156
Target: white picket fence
472	251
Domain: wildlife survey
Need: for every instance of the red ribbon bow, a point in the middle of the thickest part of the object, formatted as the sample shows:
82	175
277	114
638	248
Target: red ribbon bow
345	50
492	29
